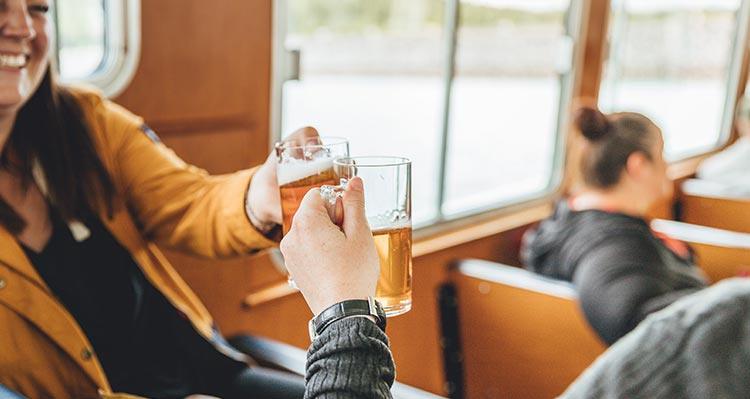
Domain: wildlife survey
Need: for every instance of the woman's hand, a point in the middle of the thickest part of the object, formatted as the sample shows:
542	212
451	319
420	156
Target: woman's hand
263	194
331	264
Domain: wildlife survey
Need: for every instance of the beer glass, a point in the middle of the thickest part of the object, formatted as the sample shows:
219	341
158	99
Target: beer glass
387	182
302	167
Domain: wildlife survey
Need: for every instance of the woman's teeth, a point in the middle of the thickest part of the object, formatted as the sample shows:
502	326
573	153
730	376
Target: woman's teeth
12	61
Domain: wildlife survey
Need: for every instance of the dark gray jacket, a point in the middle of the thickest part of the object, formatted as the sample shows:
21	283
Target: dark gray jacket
621	270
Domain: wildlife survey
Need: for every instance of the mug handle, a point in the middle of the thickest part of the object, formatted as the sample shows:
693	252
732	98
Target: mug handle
332	196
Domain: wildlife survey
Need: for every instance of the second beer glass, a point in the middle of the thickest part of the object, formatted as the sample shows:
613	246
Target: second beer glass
387	182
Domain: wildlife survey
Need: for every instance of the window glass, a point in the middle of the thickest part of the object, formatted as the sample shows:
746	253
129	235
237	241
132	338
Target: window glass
81	37
670	60
512	58
372	71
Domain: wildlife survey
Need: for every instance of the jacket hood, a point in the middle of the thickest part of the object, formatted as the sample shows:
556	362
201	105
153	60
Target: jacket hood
555	247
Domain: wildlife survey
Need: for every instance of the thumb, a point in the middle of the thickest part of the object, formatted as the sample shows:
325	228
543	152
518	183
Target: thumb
313	209
355	218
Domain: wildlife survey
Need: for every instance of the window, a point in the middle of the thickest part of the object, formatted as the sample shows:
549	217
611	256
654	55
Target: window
97	42
512	65
81	40
432	80
676	62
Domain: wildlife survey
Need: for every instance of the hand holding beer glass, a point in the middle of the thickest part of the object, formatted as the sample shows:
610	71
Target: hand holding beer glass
387	182
301	167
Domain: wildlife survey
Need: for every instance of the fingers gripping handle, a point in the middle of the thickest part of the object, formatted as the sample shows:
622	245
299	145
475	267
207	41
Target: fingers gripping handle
333	196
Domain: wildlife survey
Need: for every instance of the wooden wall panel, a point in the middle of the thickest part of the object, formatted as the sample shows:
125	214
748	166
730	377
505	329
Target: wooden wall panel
219	151
723	213
205	65
596	16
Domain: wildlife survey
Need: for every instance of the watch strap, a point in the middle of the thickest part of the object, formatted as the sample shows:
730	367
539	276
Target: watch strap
353	307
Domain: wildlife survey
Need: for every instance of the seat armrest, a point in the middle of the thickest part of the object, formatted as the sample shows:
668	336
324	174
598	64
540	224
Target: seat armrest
6	393
694	233
283	356
515	277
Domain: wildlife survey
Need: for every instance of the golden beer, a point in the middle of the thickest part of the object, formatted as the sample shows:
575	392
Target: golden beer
394	284
293	191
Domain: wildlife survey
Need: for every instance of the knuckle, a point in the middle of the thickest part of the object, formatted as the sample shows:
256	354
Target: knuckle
284	245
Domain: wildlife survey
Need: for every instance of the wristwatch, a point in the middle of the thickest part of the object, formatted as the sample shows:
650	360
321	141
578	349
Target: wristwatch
353	307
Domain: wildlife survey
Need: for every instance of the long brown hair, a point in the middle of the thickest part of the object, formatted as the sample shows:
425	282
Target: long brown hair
51	129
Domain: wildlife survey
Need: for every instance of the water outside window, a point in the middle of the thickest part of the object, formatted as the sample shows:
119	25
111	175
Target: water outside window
670	60
371	70
510	60
374	71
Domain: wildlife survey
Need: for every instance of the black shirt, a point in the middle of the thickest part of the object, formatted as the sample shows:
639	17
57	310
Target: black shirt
141	340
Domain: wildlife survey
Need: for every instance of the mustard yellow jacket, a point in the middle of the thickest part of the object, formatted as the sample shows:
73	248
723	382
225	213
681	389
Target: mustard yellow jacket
43	351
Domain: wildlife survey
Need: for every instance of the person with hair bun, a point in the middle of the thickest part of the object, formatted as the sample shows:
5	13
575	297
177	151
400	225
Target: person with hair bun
599	239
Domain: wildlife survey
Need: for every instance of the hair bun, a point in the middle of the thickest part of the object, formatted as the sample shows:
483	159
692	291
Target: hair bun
592	123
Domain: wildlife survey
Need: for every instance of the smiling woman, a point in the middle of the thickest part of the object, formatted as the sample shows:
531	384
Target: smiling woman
86	191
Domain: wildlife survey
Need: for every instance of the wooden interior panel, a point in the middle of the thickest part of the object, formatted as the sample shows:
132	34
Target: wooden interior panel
202	61
722	262
596	19
219	151
519	343
723	213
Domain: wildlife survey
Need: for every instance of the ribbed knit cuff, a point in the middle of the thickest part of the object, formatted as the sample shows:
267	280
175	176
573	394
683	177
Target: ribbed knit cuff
350	359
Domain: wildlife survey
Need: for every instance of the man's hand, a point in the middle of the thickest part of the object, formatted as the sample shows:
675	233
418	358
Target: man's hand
331	264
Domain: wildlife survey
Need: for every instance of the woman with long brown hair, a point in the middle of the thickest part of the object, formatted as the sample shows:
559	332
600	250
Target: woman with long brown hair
88	304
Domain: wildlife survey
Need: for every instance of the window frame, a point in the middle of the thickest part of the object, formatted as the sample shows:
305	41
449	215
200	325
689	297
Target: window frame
280	70
733	77
122	47
739	49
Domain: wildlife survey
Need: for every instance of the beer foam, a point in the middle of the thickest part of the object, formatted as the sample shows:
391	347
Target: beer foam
389	220
288	172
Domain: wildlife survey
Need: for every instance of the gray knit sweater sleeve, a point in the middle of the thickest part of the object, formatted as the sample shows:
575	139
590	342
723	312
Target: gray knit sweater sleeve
351	359
698	347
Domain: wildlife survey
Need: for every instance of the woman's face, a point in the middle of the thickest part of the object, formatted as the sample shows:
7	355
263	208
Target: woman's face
23	50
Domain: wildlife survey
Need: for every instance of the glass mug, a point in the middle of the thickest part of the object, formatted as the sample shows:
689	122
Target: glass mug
387	182
300	168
